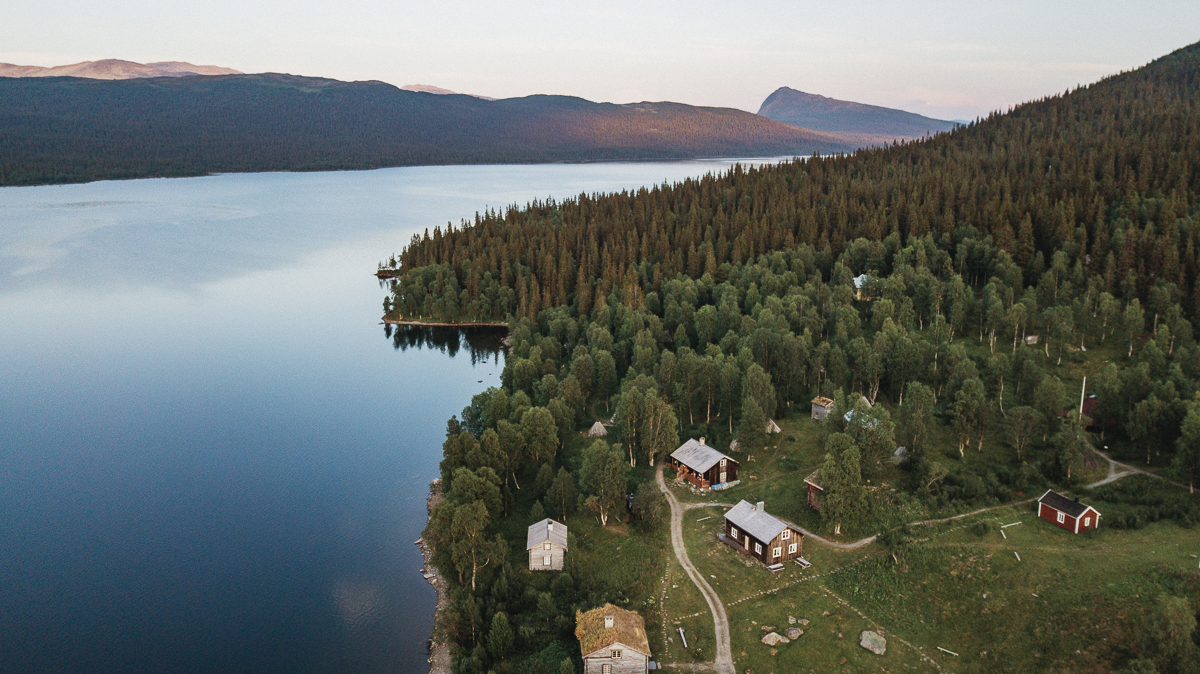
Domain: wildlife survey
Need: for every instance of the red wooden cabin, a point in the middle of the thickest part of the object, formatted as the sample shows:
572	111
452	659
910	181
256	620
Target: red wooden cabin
1066	513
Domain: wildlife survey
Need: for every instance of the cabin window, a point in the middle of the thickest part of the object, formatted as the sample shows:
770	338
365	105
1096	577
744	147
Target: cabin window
1087	521
778	552
757	549
546	546
1061	518
792	549
733	532
545	560
616	654
722	463
786	534
606	668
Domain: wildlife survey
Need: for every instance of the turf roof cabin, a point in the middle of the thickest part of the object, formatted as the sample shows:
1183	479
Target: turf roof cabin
702	465
546	542
613	641
821	407
1070	515
761	535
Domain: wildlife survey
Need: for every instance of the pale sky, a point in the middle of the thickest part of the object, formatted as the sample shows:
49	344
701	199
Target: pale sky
943	59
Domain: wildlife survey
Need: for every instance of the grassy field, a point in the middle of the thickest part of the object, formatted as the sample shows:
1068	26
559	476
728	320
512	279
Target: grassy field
1069	604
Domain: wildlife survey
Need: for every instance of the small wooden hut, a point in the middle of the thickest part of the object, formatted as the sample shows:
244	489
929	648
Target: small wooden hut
1070	515
815	489
761	535
821	407
703	465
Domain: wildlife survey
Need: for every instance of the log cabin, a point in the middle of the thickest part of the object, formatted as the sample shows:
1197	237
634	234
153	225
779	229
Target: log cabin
761	535
702	465
612	641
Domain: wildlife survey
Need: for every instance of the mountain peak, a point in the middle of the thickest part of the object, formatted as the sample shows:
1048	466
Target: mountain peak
876	124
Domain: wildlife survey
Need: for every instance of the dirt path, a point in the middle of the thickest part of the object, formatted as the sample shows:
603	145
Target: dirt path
724	660
1127	470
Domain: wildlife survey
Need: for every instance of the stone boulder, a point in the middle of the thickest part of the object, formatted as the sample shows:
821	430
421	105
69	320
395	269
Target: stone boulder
794	633
873	641
774	639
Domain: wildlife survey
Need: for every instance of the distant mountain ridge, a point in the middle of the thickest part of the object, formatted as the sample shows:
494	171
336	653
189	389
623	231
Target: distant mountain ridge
115	69
430	89
66	129
870	124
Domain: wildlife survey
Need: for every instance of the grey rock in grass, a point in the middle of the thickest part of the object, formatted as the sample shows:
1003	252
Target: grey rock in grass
774	639
794	633
873	641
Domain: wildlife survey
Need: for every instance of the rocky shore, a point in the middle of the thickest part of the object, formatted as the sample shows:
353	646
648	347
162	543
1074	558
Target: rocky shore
439	652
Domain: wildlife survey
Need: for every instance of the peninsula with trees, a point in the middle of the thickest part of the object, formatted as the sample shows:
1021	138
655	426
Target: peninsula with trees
946	296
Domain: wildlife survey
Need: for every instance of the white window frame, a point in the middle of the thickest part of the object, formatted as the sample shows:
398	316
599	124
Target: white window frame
616	654
545	560
546	545
778	552
757	548
606	668
733	533
792	549
786	534
1062	518
722	463
1087	522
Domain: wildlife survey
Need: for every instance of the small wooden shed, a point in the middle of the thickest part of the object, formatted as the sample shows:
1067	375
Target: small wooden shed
612	641
821	407
815	489
761	535
546	542
1066	513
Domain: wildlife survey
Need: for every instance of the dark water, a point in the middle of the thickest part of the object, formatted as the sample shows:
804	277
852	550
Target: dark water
212	457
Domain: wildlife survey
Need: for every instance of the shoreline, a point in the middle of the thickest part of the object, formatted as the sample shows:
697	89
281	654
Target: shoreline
429	324
439	653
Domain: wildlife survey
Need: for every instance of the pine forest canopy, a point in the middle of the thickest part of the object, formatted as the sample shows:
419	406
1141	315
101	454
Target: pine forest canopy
1072	216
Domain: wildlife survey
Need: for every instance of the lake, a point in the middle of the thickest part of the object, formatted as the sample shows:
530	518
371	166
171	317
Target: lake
212	458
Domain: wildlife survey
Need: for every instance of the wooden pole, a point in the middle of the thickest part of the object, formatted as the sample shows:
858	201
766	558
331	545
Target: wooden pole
1081	392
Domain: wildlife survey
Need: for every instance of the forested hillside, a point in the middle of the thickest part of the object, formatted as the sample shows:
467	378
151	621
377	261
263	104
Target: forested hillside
707	307
62	129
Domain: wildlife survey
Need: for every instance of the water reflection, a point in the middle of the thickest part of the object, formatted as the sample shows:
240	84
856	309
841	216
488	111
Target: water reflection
484	344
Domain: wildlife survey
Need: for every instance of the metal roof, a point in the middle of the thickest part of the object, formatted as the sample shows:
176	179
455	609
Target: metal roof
698	457
1063	504
546	530
758	523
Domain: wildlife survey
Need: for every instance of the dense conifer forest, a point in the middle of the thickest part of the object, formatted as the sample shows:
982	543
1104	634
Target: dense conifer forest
66	129
947	291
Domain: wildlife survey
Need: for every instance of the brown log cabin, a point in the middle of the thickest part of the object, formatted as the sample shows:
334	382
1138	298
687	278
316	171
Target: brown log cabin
761	535
702	465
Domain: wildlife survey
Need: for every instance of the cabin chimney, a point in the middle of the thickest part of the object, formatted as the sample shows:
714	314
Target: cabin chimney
550	526
701	441
759	507
608	622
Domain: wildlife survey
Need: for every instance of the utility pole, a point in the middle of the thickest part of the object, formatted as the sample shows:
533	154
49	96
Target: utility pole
1081	392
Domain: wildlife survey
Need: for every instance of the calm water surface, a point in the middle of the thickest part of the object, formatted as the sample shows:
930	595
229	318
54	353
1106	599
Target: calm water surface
211	457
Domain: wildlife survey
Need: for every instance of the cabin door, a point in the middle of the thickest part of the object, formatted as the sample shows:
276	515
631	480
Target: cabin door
722	477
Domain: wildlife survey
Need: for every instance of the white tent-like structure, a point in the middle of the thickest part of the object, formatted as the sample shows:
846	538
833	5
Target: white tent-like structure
597	430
